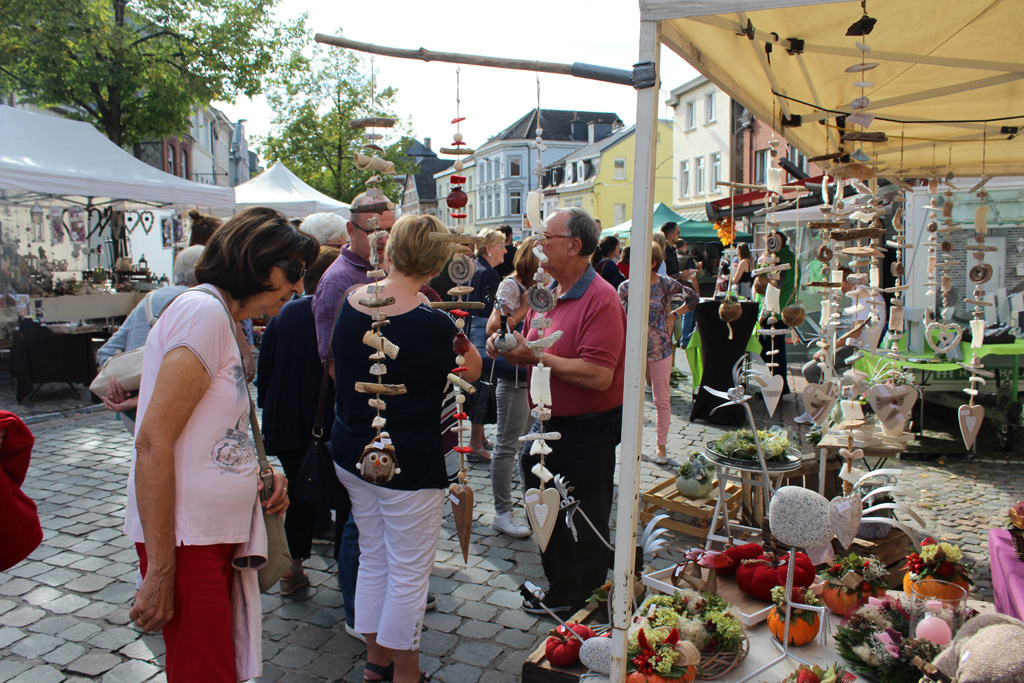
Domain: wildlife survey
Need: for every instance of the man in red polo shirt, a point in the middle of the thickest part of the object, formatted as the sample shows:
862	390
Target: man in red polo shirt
586	394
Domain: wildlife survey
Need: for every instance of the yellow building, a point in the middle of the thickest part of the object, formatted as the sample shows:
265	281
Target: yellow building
599	177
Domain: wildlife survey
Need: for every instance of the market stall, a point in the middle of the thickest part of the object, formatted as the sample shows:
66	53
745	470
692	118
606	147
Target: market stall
280	189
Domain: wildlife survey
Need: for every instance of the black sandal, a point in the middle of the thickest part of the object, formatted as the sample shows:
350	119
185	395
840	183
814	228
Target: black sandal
387	673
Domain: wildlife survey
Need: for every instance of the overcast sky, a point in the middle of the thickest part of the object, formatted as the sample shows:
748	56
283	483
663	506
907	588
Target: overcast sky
602	32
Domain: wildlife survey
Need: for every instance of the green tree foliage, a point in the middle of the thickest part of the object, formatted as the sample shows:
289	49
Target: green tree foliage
136	68
314	103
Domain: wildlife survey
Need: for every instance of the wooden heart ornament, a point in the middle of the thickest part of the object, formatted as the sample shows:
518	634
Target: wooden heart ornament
771	392
819	400
970	423
147	221
949	336
844	513
892	405
461	498
131	219
542	511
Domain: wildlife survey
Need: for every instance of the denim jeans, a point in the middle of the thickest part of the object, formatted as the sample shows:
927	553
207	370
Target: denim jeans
348	567
689	323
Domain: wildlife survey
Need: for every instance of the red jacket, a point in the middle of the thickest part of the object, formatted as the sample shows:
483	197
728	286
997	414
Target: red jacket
19	523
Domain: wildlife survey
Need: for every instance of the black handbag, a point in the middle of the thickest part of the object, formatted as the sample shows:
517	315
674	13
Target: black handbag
318	482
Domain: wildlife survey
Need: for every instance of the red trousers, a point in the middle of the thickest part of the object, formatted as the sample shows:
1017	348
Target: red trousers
198	638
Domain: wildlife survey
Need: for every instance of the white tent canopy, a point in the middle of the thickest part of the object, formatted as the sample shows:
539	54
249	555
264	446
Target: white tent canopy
949	76
281	189
49	156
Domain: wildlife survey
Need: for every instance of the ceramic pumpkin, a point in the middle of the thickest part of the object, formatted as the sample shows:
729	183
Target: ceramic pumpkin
842	601
803	628
933	588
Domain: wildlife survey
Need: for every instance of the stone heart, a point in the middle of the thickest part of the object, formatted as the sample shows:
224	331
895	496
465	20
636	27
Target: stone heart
771	392
970	423
948	336
461	498
892	405
844	513
596	654
542	511
819	399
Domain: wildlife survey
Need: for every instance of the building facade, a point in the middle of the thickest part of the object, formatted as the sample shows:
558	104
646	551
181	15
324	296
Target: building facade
419	193
443	185
702	146
599	176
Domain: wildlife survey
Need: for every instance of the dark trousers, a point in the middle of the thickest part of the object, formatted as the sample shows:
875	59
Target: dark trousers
585	457
780	357
300	518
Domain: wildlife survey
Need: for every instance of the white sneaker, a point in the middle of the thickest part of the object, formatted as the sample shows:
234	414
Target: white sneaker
354	633
804	419
506	524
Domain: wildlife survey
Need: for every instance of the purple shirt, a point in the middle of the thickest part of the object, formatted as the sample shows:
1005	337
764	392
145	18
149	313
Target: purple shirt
347	270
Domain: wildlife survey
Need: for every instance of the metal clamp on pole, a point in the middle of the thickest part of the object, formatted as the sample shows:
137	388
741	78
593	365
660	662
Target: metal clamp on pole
644	75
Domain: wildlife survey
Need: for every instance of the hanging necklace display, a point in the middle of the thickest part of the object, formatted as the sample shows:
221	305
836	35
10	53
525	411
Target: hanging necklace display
378	463
971	415
542	503
898	270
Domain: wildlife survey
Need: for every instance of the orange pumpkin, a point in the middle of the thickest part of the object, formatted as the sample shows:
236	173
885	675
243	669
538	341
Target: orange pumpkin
842	601
688	677
801	631
933	588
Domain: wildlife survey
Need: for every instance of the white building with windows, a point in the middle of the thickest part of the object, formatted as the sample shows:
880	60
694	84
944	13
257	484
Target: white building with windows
702	146
443	183
505	164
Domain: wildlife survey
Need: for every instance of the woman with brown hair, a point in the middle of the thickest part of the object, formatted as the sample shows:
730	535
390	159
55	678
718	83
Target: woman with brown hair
399	520
742	273
510	308
193	483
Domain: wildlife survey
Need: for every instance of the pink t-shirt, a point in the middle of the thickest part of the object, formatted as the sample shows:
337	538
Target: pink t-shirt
215	462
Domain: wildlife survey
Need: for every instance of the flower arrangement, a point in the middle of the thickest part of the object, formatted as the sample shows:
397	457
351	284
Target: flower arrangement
660	651
836	673
804	625
804	596
938	561
704	619
851	580
740	444
693	468
726	230
875	641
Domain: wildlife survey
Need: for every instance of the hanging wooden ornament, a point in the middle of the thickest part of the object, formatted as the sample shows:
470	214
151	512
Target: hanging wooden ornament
892	405
970	418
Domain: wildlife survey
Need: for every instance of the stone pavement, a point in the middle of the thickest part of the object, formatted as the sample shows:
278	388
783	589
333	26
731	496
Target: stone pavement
64	611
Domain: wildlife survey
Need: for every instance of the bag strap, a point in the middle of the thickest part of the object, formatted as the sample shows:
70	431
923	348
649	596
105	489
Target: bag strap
321	404
148	308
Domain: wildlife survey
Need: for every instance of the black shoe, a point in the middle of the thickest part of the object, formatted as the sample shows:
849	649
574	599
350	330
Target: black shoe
533	605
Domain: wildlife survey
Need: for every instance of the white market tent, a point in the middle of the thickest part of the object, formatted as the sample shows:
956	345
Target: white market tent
281	189
51	157
948	78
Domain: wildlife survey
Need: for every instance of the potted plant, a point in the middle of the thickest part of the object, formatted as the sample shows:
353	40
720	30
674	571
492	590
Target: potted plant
937	562
659	655
804	624
740	445
693	479
851	580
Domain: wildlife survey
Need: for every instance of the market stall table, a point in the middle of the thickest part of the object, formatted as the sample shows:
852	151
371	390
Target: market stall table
720	351
51	357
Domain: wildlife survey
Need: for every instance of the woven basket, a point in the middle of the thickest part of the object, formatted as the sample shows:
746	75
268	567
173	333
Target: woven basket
716	664
1017	536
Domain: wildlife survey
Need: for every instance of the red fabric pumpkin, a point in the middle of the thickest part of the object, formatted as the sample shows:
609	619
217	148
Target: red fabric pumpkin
637	677
747	551
563	650
757	577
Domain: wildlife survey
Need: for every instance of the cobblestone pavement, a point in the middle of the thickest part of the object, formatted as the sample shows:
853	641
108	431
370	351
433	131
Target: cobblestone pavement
64	611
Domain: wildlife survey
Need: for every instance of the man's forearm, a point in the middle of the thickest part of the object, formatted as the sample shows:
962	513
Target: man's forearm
579	372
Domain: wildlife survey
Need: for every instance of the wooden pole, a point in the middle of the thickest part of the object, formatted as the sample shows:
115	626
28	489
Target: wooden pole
577	69
636	351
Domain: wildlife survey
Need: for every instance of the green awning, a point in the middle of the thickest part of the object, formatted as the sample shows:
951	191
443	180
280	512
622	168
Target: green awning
689	230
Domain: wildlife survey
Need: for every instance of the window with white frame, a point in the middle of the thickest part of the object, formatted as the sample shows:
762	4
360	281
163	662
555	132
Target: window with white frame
709	107
515	167
619	214
760	165
515	202
581	171
798	160
716	171
570	169
691	115
684	178
698	175
483	170
620	169
496	168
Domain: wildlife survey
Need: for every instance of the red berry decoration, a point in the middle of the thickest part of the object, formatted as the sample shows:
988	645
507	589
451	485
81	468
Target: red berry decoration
461	344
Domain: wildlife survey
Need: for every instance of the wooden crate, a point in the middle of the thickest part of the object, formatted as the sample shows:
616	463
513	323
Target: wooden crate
537	669
892	551
665	498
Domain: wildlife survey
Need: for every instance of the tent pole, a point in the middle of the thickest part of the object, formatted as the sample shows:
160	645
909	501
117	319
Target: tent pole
636	350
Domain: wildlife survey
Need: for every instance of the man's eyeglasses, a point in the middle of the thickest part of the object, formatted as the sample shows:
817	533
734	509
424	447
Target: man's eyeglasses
371	230
294	270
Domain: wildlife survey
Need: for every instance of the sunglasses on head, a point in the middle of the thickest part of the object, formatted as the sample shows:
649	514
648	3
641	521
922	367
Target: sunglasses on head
293	270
